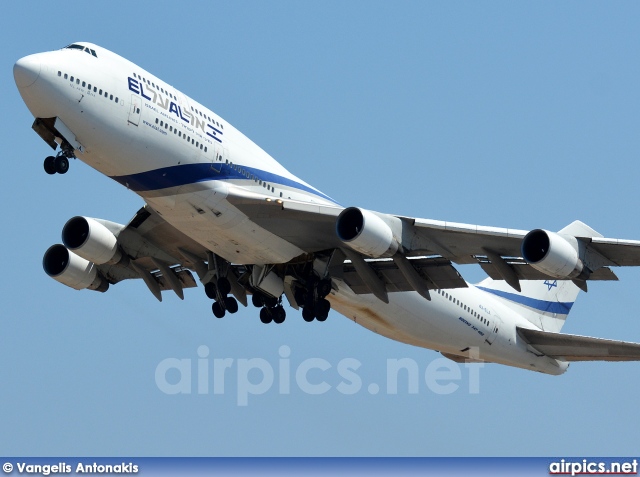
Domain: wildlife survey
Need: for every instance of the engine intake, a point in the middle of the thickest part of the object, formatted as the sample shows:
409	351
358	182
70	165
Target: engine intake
72	270
91	240
553	254
366	233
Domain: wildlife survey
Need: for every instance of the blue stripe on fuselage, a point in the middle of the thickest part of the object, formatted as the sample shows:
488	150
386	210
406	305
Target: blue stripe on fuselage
184	174
560	308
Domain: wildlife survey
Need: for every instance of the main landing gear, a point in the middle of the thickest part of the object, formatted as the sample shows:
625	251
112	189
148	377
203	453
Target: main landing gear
219	291
313	300
271	308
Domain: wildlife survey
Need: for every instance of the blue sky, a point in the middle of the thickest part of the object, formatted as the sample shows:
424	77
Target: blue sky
512	114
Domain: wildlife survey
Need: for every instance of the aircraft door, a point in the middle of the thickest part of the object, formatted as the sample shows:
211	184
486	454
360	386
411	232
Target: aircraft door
134	111
216	158
495	323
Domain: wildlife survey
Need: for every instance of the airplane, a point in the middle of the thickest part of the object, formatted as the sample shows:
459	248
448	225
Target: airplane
218	205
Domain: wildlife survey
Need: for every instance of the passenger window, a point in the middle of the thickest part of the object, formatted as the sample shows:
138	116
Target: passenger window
157	120
100	93
111	97
66	76
205	149
71	79
84	84
89	87
59	73
117	100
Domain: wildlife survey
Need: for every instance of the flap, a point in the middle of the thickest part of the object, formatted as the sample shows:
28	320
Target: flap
438	273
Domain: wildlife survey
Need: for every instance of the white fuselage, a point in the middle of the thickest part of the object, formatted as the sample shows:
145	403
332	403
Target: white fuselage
185	162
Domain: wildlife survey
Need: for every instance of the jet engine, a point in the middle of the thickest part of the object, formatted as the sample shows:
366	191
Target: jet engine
91	240
553	254
366	232
72	270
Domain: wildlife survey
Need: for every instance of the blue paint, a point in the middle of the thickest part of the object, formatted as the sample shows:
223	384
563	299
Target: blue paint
560	308
175	176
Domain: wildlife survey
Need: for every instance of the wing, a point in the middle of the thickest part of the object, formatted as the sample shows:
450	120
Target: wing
580	348
162	257
499	251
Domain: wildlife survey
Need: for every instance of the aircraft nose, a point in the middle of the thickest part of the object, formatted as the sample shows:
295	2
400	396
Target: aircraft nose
26	71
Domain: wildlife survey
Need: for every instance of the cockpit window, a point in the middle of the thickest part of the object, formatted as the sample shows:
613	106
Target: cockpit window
81	48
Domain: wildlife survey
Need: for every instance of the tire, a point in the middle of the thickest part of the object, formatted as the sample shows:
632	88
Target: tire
308	314
224	286
217	310
50	165
279	314
265	315
257	300
231	304
210	290
322	309
61	164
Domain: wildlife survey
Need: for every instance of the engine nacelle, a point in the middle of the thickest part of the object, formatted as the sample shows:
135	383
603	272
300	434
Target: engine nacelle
91	240
366	233
71	270
553	254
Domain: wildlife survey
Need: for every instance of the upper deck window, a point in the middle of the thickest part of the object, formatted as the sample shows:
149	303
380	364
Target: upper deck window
81	48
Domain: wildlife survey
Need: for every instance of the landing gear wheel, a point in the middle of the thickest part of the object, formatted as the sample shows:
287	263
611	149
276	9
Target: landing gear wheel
322	309
265	315
50	165
257	300
279	314
231	304
324	287
210	290
61	164
308	314
224	286
217	309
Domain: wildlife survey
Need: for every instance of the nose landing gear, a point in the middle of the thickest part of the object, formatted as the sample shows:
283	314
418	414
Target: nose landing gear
59	164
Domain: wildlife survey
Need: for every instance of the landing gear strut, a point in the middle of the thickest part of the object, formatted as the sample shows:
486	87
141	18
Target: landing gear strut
219	292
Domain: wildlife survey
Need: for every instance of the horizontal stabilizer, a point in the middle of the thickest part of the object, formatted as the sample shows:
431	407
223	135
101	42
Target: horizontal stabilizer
580	348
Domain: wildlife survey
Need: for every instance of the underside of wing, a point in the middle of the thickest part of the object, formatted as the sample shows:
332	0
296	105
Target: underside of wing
580	348
437	273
